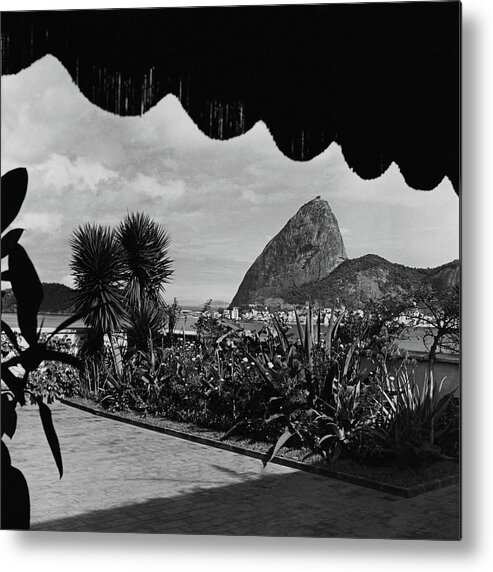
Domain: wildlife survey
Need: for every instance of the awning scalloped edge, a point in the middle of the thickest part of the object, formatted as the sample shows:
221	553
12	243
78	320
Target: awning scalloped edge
335	73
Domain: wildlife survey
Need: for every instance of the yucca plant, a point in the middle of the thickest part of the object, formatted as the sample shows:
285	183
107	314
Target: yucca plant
147	266
119	276
147	320
98	267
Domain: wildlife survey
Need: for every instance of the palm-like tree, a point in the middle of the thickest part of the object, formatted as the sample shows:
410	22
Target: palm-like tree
119	276
148	267
98	266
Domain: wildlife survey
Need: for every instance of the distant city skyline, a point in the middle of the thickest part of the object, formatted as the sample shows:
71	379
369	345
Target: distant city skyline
221	201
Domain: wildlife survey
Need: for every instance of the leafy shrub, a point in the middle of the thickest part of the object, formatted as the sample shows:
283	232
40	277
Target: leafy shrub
52	381
121	398
342	423
413	422
187	383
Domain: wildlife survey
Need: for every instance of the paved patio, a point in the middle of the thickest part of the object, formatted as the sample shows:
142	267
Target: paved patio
120	478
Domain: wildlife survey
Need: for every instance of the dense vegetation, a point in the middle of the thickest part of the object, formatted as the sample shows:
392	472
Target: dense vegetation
349	394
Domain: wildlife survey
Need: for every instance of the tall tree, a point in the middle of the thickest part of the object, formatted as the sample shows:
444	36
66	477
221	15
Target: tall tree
120	275
98	267
439	312
148	267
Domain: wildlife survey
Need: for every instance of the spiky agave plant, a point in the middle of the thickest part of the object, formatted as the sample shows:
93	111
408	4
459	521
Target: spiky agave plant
98	268
145	245
148	267
146	320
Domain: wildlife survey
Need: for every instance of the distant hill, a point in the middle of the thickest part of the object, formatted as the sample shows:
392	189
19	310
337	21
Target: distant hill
306	262
356	281
57	299
444	276
219	304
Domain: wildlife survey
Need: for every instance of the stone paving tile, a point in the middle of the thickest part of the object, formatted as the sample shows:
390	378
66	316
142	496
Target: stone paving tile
119	478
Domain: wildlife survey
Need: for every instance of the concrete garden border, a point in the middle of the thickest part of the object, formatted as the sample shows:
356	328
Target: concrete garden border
405	492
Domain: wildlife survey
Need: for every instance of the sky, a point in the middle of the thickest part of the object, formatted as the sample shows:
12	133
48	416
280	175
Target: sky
221	201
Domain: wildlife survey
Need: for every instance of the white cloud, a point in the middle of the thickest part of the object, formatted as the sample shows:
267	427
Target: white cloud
46	223
81	173
251	196
166	190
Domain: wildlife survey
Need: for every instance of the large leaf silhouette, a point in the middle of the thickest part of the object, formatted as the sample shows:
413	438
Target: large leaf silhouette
10	240
27	290
9	415
9	332
14	383
16	505
14	187
272	452
47	422
63	357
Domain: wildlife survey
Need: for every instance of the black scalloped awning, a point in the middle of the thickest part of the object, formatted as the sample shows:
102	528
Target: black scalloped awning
381	80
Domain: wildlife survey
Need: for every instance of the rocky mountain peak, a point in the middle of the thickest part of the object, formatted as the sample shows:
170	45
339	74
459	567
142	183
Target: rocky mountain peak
307	249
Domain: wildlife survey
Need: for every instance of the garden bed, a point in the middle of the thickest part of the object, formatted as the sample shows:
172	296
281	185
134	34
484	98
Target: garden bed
393	479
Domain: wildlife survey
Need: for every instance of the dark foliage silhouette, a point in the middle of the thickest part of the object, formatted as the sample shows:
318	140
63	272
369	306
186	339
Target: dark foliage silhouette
28	293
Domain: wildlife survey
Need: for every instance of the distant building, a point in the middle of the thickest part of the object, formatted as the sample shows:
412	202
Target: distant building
235	314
